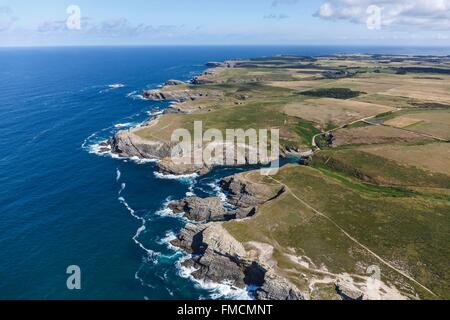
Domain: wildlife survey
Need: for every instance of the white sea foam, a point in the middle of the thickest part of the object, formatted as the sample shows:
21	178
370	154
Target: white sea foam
122	187
151	255
149	252
169	237
185	178
216	290
116	85
191	192
165	211
167	241
113	86
130	210
142	161
218	191
87	140
155	113
170	291
135	96
100	149
124	125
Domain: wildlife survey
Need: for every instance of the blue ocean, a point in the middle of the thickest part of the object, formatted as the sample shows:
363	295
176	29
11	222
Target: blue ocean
61	204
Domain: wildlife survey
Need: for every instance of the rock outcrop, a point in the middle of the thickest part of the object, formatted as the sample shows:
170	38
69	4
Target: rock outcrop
176	94
174	83
348	292
218	257
201	209
247	195
172	95
128	144
277	288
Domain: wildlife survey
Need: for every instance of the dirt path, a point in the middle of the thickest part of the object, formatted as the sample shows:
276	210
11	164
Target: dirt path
313	142
366	120
352	238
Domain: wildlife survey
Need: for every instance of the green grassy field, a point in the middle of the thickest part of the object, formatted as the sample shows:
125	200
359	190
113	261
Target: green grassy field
379	170
408	230
398	210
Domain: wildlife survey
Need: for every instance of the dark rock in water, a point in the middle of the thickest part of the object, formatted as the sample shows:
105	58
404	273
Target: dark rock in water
218	257
216	254
174	83
128	144
190	239
217	268
198	209
277	288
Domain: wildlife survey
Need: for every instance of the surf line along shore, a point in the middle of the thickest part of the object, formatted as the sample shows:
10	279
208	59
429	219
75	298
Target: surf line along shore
225	309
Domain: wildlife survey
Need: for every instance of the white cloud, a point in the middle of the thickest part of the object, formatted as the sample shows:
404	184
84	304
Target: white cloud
113	27
7	18
428	14
276	3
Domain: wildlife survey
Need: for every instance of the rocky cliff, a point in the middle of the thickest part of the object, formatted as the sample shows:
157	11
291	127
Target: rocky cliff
218	257
128	144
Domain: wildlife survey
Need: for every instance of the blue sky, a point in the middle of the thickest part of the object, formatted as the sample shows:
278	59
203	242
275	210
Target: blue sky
293	22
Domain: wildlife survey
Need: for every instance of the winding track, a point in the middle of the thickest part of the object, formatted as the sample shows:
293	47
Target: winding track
352	238
366	120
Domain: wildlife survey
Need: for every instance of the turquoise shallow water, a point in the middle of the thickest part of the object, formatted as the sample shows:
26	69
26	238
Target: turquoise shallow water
61	205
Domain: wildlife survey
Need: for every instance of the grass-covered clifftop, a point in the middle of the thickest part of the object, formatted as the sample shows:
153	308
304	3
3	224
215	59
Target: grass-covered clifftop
377	191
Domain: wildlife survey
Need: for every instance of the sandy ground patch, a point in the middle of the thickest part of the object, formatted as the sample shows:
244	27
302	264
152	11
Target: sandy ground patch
433	122
434	157
402	122
339	112
374	135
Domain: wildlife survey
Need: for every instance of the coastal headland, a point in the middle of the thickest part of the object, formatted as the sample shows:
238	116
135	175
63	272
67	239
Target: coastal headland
363	213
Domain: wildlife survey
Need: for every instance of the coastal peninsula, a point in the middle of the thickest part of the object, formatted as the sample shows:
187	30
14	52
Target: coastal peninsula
363	213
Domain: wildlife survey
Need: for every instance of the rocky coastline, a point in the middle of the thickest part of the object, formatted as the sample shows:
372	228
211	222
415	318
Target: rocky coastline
299	235
215	255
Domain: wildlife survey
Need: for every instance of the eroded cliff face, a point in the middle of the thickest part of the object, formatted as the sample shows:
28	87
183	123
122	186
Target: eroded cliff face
246	196
218	257
201	209
128	144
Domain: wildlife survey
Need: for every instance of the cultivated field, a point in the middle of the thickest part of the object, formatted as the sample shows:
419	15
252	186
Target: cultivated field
377	194
337	112
375	135
432	122
434	157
